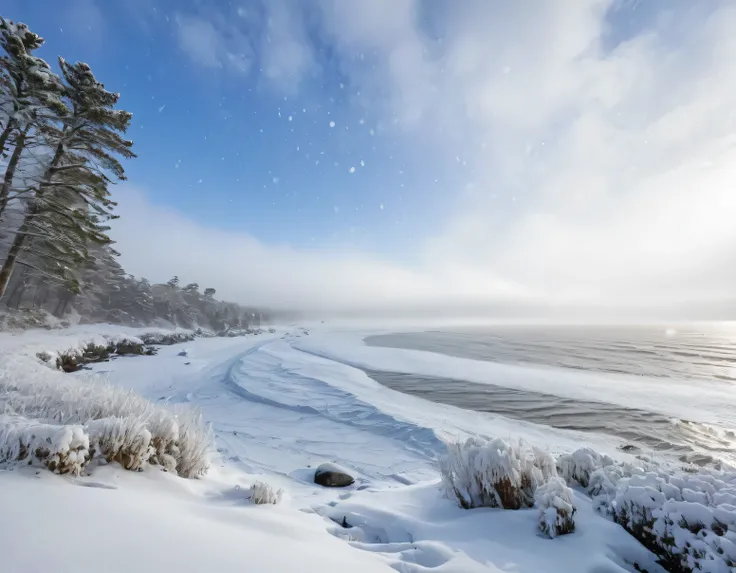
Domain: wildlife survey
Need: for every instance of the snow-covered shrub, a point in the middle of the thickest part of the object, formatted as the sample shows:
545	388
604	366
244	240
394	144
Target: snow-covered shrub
169	338
194	444
98	350
262	494
686	535
62	449
579	465
179	439
556	509
123	440
603	483
480	473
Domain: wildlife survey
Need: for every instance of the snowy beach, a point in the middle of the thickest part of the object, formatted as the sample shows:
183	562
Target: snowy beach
279	405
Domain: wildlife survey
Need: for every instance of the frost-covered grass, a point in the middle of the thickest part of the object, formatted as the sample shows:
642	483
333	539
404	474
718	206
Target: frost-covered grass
494	473
119	424
262	493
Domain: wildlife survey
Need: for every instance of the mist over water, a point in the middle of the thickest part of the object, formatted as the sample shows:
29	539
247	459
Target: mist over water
695	352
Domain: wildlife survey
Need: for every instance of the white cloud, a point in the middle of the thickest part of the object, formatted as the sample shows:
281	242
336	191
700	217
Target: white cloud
211	44
606	174
286	55
273	33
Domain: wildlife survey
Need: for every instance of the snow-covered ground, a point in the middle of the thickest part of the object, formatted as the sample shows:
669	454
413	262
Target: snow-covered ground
280	404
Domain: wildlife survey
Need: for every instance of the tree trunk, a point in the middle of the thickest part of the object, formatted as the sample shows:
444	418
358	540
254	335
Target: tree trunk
17	290
62	305
12	166
6	134
20	238
9	264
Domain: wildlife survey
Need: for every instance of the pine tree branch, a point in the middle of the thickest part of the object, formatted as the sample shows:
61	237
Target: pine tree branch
35	268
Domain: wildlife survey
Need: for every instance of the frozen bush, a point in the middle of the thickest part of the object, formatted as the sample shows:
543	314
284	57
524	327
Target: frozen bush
263	494
686	535
169	338
579	465
123	440
62	449
480	473
556	509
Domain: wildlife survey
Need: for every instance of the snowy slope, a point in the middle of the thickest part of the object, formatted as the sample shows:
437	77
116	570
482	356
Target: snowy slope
277	412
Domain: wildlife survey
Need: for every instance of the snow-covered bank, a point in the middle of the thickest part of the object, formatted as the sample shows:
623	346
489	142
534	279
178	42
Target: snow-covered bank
277	412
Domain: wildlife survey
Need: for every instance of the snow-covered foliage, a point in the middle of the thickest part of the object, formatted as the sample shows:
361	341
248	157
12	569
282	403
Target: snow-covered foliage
70	353
494	473
687	520
163	338
119	424
556	508
579	465
62	449
262	493
123	440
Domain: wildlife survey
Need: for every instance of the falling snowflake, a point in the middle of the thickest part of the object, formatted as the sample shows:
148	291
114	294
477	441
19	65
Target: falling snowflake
290	118
352	170
371	132
381	206
332	124
362	163
275	180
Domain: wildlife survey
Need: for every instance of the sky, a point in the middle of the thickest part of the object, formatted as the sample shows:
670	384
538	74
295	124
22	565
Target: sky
489	157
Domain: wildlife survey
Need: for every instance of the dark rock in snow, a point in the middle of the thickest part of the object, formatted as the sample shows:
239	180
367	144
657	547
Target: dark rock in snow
183	353
332	475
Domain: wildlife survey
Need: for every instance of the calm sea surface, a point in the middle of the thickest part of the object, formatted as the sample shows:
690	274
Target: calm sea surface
703	352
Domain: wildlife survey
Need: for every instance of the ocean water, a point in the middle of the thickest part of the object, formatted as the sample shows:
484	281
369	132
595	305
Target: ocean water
694	352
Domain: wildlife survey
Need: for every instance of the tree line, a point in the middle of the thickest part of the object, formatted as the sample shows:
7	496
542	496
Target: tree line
62	144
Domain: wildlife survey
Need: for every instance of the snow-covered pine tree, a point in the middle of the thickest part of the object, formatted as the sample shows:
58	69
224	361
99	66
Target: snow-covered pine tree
31	96
72	202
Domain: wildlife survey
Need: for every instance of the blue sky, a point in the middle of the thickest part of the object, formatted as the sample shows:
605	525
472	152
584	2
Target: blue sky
482	154
235	151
